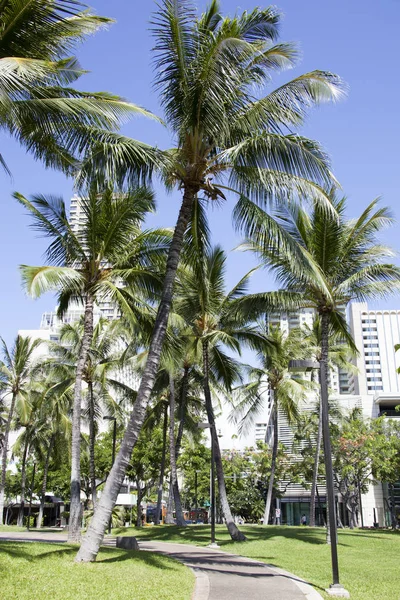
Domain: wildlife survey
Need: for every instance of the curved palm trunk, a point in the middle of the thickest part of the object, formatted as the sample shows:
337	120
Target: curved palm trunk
234	532
20	520
92	469
182	410
95	534
169	518
180	521
44	483
330	489
74	532
315	468
162	469
273	465
4	457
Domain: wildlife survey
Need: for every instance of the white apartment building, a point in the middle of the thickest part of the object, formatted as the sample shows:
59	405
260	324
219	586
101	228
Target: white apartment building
376	332
375	388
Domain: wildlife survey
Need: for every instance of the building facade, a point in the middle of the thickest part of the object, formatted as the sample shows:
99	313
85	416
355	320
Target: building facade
374	387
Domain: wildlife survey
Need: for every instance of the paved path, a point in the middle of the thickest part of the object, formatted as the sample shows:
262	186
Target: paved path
223	576
34	536
219	575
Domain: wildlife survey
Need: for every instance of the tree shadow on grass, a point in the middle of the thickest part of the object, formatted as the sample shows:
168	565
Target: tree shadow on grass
25	551
148	558
200	534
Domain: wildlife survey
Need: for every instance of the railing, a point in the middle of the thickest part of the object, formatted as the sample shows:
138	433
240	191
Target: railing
389	413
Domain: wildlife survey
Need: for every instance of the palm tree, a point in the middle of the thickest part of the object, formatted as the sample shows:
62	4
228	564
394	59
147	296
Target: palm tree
339	356
26	423
187	388
105	389
322	261
15	377
108	252
275	349
202	301
53	121
54	427
228	138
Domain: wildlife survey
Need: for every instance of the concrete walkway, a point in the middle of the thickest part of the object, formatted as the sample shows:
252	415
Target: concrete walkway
223	576
34	535
219	575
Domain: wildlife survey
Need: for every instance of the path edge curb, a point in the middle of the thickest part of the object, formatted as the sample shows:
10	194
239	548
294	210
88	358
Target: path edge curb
202	584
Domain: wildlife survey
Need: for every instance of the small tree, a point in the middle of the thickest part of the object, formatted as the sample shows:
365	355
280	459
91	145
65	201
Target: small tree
386	458
144	466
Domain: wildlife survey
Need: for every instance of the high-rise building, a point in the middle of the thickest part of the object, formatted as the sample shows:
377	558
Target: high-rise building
288	321
376	333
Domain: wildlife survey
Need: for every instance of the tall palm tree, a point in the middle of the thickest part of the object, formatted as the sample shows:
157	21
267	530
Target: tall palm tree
213	324
228	136
26	422
340	357
109	251
53	121
15	377
322	261
101	375
275	349
54	426
187	388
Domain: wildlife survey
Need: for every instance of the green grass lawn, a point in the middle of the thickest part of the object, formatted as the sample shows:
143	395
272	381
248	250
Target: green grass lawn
368	559
15	529
9	528
32	571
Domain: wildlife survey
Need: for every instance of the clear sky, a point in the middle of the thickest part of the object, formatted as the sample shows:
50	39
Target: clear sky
357	39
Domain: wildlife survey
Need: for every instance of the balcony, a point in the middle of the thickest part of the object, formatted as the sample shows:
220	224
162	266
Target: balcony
390	413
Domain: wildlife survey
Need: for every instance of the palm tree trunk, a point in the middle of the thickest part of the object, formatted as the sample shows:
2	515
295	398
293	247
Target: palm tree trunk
182	410
20	520
74	532
169	517
162	469
234	532
95	534
273	463
92	469
330	488
180	521
4	457
44	484
315	469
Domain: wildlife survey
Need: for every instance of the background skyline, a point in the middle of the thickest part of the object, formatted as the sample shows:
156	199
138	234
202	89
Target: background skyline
355	40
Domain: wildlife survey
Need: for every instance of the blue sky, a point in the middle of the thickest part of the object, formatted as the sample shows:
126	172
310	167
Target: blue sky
357	40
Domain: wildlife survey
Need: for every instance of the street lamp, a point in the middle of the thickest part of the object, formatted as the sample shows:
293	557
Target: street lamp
213	543
335	589
113	454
